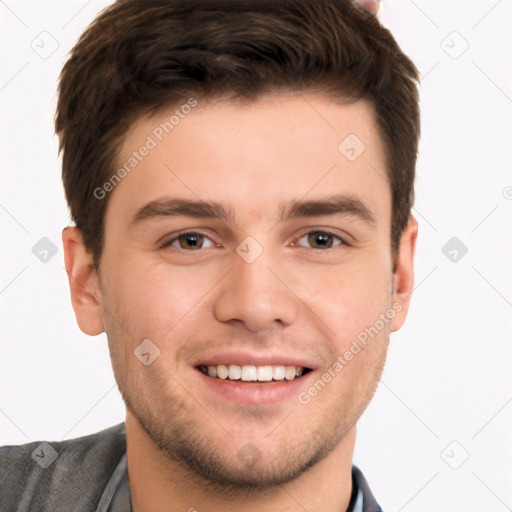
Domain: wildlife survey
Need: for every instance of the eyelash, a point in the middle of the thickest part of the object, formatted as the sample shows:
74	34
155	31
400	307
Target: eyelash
342	242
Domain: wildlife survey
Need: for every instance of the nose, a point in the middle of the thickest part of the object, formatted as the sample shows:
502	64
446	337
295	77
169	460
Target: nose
256	295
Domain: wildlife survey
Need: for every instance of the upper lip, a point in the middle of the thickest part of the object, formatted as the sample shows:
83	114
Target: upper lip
255	358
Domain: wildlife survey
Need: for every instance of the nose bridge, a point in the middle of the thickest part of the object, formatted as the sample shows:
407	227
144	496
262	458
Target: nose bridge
253	294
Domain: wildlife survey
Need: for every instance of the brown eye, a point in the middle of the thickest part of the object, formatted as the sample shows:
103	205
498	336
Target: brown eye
190	241
320	240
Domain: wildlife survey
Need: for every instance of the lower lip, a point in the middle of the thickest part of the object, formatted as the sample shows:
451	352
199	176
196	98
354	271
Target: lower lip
255	393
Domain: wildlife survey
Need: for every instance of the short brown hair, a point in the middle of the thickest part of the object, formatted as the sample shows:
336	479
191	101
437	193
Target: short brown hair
139	56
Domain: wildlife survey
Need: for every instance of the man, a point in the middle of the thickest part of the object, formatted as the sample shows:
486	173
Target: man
240	175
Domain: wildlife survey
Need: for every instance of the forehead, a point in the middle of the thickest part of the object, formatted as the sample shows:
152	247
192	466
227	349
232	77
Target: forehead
254	156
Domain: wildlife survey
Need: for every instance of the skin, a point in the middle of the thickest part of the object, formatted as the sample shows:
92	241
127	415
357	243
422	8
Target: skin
297	298
372	6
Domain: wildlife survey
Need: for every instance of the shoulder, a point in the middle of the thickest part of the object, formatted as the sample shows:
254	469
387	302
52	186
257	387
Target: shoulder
61	475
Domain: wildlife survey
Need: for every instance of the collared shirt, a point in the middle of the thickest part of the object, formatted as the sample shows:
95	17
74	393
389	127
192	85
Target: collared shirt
90	474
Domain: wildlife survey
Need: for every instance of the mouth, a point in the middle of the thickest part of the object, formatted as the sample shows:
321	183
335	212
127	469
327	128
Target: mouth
255	374
253	378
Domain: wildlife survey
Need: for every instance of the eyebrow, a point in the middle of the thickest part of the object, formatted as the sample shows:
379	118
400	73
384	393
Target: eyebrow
169	207
330	205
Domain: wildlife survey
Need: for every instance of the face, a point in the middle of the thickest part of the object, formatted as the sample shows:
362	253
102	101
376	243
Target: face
247	242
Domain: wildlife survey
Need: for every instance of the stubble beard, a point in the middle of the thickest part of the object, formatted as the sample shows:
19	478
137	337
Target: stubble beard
187	446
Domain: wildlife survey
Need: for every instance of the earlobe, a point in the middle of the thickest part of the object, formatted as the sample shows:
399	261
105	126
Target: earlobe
403	277
83	282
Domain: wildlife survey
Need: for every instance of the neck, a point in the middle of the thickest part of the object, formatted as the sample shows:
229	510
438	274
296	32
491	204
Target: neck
156	482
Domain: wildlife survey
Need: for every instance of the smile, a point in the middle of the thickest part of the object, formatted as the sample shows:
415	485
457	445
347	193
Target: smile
253	373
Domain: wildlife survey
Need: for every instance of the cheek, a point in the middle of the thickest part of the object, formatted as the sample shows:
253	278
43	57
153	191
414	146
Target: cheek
348	298
152	298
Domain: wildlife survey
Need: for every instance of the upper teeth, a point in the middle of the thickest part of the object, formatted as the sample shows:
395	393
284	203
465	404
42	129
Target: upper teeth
253	373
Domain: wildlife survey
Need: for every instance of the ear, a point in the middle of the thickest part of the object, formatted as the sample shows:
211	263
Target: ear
403	276
83	282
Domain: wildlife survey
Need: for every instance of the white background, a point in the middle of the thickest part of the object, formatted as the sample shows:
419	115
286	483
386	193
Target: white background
448	373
